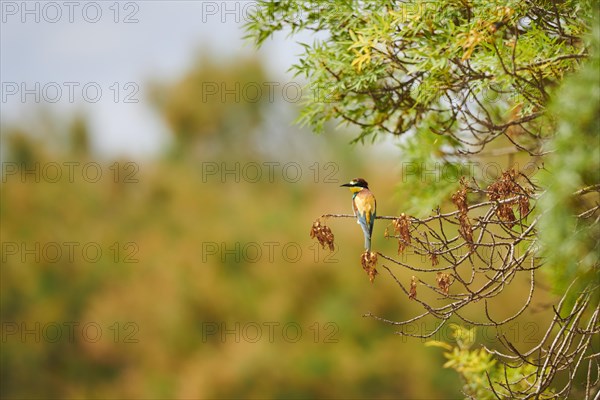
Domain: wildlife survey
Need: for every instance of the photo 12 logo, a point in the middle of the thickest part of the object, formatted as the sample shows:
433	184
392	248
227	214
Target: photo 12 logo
228	11
271	331
515	332
68	252
69	92
69	171
268	171
53	12
250	92
69	332
436	172
264	252
243	11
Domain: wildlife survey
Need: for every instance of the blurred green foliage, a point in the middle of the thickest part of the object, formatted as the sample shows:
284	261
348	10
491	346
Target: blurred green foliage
408	67
164	302
215	107
477	367
158	295
572	244
462	82
175	297
174	293
457	81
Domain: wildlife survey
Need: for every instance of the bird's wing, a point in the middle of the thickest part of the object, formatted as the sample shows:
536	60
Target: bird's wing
365	205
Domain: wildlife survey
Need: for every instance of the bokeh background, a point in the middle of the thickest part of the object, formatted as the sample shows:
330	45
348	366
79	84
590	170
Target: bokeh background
155	237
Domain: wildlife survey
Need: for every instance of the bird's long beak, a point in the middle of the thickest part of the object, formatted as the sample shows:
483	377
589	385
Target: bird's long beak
346	185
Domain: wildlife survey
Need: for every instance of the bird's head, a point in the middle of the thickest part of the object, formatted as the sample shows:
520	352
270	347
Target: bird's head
356	185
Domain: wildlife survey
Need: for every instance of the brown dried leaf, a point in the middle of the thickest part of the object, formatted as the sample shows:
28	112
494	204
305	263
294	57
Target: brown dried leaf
412	294
323	234
505	188
402	229
434	259
524	206
460	200
465	230
368	261
444	281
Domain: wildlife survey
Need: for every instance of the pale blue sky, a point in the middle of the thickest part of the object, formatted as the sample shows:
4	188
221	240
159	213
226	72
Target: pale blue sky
161	41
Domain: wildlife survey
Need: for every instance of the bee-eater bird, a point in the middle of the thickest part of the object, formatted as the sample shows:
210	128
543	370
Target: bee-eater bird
364	206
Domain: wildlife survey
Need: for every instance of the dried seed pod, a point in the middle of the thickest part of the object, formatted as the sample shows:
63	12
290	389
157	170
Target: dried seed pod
412	294
465	230
507	188
444	281
524	206
434	259
323	234
402	229
368	261
460	200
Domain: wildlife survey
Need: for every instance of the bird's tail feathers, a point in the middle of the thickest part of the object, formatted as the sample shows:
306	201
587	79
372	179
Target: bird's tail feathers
367	235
